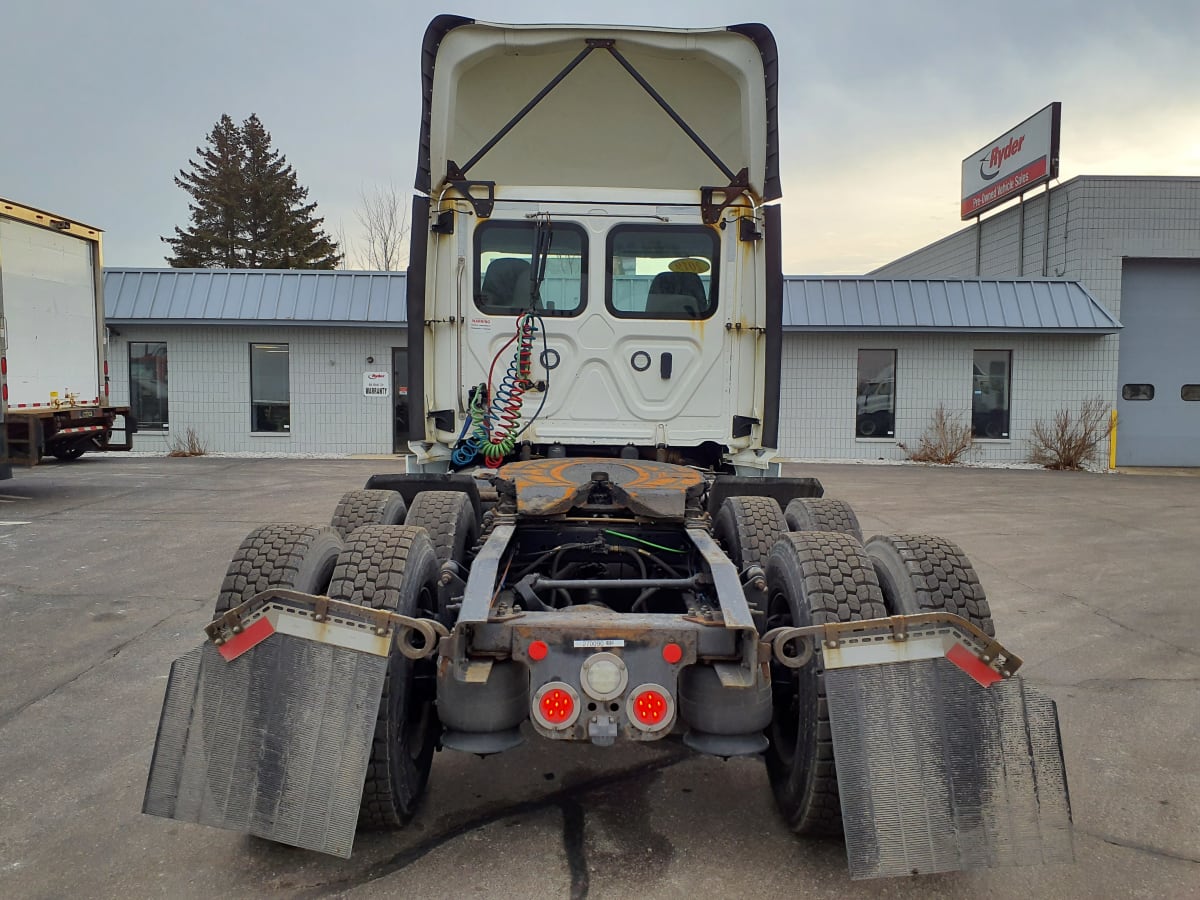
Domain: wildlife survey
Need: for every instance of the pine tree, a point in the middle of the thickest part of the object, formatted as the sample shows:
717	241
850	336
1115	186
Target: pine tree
248	210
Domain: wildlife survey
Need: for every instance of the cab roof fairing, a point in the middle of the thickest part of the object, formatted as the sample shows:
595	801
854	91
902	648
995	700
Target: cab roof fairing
723	86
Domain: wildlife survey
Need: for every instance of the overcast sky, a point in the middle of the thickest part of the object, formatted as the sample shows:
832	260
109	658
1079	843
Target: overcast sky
879	101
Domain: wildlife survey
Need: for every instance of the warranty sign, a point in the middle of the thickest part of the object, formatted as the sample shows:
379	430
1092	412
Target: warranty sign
377	384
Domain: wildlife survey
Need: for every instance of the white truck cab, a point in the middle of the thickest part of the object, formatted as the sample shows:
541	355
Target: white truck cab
598	273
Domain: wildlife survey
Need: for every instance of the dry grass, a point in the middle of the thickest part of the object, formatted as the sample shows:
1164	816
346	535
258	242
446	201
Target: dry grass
1071	439
189	444
946	439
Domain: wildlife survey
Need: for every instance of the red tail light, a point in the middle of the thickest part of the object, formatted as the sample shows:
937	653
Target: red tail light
556	706
651	708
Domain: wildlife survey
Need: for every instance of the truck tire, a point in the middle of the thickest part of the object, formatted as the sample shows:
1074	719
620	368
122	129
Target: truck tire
358	508
813	578
300	557
922	573
813	514
748	527
393	567
70	452
449	518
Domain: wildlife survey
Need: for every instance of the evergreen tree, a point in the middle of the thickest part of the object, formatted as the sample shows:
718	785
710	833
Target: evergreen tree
248	210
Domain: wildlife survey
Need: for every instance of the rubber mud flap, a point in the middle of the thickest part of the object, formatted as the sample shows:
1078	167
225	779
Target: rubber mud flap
273	743
938	774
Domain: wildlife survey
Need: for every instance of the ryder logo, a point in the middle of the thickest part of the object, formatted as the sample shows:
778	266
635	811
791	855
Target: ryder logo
990	163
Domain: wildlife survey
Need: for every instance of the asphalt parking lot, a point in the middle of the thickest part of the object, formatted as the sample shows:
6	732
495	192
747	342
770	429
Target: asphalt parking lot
108	570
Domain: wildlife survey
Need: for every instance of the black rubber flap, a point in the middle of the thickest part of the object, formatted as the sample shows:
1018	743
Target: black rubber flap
274	743
938	774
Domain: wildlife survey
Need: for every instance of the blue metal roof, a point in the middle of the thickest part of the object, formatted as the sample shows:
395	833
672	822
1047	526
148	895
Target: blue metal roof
290	297
955	305
258	296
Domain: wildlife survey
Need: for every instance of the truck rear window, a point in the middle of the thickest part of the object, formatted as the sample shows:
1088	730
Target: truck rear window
504	269
662	271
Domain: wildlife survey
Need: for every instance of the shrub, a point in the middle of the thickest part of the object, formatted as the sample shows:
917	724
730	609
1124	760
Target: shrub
1071	439
188	445
945	440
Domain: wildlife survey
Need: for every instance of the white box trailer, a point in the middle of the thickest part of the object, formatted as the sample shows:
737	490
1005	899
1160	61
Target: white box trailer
53	371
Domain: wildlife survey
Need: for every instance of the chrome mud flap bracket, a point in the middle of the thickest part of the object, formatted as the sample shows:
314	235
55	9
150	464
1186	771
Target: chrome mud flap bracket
268	732
945	760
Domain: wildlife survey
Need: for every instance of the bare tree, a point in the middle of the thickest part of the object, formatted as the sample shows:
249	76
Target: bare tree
383	215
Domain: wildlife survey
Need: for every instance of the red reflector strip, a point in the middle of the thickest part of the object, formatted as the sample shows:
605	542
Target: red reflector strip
973	665
246	640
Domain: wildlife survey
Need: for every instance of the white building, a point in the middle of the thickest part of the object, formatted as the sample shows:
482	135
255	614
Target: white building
1134	244
292	362
260	361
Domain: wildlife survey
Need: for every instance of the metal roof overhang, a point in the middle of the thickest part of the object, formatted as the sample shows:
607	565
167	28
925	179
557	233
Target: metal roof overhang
973	306
254	297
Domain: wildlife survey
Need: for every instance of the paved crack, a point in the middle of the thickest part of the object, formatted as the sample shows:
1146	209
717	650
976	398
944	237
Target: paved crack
563	798
1134	845
573	846
111	654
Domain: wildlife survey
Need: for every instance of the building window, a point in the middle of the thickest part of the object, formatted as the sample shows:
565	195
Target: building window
504	268
148	383
270	397
1137	391
662	271
1190	392
990	391
875	415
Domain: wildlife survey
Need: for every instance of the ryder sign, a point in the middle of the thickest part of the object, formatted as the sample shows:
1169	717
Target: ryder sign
1013	163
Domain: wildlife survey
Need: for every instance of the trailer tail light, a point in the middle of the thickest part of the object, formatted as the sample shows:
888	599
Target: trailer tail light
651	708
538	650
556	706
672	653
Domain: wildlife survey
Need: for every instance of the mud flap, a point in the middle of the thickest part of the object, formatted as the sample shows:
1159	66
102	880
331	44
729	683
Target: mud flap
273	743
938	773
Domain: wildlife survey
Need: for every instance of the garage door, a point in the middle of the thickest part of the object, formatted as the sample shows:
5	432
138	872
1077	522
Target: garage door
1159	369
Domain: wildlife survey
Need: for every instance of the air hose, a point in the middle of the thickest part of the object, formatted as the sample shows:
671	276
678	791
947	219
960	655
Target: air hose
494	425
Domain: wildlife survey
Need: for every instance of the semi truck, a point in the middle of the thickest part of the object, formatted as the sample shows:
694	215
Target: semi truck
54	398
592	541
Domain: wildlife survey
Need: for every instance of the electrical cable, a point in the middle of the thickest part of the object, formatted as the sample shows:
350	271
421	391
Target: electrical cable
638	540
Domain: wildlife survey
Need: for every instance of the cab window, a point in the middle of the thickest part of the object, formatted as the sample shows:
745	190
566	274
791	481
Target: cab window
662	272
504	269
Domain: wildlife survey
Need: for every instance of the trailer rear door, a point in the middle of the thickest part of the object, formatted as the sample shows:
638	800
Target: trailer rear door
48	284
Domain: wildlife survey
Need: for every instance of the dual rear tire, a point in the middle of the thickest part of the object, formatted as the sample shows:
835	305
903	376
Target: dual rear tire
813	578
366	557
